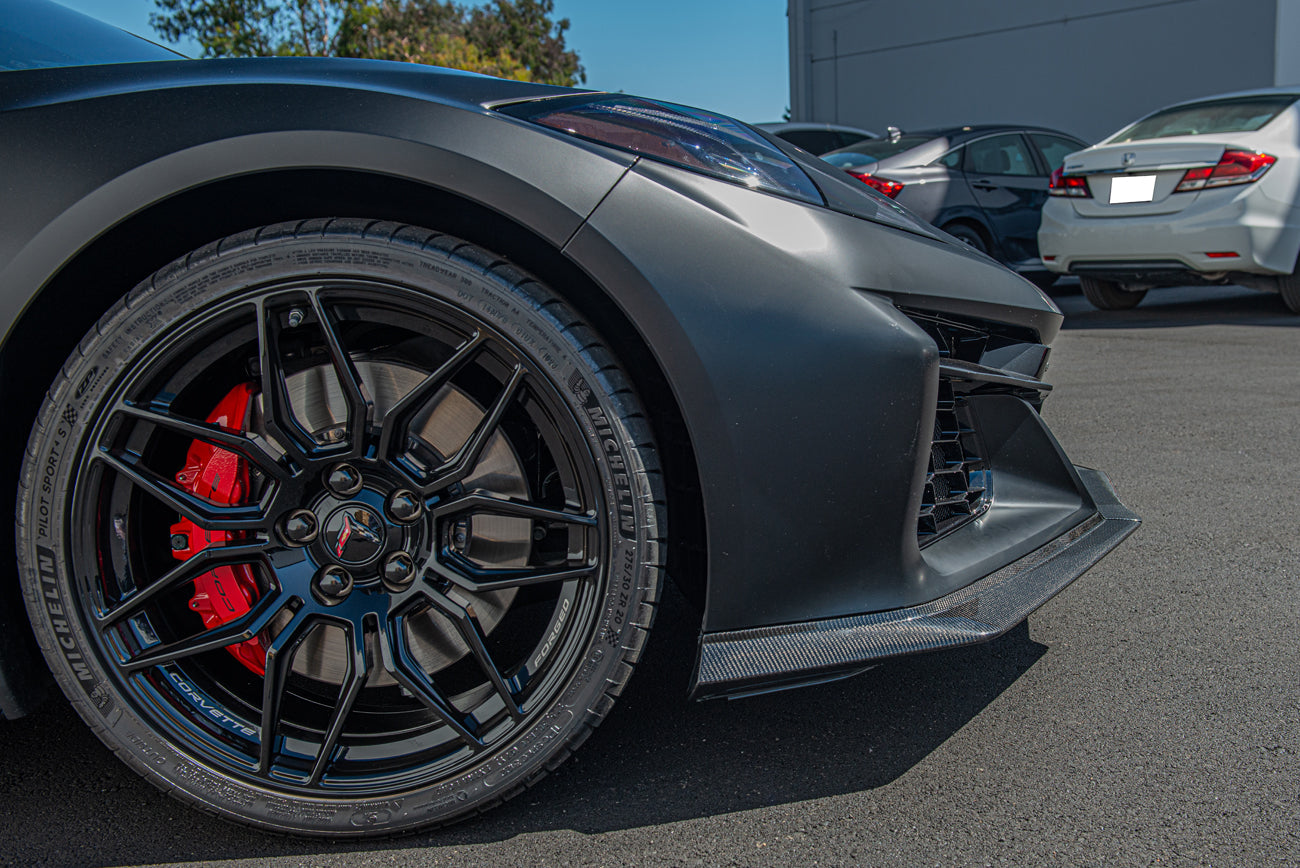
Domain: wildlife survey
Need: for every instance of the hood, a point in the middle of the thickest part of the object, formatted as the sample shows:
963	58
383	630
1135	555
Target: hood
466	89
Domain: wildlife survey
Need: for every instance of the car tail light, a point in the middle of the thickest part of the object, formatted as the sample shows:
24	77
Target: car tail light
1062	184
1235	167
880	185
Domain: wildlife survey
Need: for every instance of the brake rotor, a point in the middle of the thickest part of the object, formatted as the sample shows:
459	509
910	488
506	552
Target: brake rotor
493	541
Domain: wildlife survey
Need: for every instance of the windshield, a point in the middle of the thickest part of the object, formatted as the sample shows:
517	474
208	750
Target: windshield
35	34
1239	115
873	150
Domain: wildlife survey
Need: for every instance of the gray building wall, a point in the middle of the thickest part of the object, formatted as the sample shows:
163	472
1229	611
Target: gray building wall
1084	66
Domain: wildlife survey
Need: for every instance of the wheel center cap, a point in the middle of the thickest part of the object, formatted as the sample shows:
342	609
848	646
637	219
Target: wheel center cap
355	534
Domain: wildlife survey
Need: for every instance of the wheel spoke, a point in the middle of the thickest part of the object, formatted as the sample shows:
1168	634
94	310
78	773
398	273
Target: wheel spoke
358	660
480	502
280	421
241	629
186	571
393	426
482	581
466	621
206	515
233	441
467	457
401	664
361	406
279	656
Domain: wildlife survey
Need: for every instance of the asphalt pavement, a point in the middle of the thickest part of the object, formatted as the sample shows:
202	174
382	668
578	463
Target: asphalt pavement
1149	715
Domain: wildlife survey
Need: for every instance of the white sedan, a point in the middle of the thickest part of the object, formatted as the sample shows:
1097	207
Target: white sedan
1199	192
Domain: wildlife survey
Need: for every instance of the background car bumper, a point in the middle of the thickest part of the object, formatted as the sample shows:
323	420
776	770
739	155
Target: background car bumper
740	662
1264	233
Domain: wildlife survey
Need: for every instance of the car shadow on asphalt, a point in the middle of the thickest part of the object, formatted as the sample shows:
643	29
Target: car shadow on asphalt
657	759
1177	306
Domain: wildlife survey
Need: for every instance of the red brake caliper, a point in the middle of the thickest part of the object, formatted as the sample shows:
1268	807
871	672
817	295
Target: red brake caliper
223	593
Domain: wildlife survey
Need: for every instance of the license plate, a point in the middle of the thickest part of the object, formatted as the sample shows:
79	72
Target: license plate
1132	188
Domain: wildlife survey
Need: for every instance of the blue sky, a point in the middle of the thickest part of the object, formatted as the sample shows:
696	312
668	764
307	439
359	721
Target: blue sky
731	56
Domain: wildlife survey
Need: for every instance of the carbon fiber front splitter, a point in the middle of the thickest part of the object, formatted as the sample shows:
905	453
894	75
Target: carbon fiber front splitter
741	662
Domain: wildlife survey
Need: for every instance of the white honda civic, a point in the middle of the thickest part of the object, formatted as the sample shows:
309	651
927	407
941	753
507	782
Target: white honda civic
1206	191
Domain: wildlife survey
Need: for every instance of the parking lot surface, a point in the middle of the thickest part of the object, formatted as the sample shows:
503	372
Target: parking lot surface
1150	714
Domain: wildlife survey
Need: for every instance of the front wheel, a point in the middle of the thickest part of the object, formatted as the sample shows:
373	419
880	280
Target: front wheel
968	235
341	528
1109	294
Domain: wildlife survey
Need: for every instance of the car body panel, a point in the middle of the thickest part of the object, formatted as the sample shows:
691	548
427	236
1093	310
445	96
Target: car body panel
306	122
713	363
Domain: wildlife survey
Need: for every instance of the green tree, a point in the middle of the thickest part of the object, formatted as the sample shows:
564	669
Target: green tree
248	28
524	29
421	31
507	38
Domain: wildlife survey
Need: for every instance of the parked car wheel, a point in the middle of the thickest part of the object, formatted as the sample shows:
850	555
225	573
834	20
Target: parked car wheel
968	235
1110	295
1288	287
341	528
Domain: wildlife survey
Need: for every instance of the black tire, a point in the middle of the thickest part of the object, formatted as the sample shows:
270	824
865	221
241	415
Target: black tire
1109	295
430	713
1288	286
968	235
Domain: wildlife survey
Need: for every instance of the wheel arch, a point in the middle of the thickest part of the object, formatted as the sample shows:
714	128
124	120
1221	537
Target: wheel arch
105	268
975	221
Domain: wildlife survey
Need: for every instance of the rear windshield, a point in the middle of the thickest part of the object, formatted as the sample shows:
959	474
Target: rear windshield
1239	115
873	149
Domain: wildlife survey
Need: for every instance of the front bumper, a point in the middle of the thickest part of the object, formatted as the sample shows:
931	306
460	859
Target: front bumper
741	662
1264	233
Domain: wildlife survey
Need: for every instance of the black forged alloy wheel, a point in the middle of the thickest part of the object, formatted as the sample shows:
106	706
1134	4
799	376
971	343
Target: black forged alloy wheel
341	527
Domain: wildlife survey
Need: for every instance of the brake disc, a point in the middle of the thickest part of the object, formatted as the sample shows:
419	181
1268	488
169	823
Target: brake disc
492	541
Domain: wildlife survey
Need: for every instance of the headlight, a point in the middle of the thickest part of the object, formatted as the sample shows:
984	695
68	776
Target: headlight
687	137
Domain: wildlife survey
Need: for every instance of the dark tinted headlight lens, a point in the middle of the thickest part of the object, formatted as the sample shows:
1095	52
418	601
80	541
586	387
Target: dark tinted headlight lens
688	137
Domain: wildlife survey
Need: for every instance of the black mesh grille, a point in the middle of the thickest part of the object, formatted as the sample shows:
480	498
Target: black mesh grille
956	483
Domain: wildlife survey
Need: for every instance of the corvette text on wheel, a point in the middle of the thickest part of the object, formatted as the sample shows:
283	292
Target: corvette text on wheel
364	407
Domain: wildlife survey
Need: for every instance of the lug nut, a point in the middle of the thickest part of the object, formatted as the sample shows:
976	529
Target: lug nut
331	585
404	506
399	571
343	480
180	542
299	527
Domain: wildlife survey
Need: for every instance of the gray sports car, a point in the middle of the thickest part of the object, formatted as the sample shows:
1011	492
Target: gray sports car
359	410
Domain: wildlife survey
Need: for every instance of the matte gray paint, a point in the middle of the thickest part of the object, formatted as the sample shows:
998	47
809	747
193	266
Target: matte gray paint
809	397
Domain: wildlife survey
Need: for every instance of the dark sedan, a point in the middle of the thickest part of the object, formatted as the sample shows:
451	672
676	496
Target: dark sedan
983	184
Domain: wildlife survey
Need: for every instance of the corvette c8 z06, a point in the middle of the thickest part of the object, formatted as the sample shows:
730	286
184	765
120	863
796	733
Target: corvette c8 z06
401	390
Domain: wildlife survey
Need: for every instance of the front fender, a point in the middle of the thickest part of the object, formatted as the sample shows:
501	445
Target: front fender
66	190
808	395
